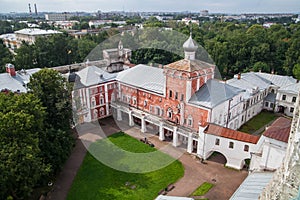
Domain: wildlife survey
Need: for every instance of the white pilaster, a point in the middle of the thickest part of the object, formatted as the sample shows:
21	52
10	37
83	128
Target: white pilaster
143	125
188	90
175	136
106	99
119	113
131	123
161	131
190	143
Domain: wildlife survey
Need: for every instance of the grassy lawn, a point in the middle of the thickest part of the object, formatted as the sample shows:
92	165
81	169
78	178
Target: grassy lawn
258	122
98	181
202	189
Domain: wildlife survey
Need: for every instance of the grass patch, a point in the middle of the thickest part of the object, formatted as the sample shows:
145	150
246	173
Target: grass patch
202	189
258	122
96	180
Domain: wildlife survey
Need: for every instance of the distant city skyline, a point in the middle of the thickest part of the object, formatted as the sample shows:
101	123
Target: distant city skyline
214	6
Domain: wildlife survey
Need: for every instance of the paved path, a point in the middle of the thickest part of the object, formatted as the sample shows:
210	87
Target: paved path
226	180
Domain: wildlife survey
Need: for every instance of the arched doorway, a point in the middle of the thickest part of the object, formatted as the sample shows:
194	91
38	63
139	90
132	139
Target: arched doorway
217	157
246	164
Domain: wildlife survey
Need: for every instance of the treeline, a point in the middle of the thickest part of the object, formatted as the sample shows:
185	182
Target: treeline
36	138
233	46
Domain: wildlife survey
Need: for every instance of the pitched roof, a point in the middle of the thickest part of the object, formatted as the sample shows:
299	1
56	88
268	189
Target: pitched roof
36	31
249	81
213	129
279	129
293	88
214	92
277	79
252	186
271	97
189	65
145	77
93	75
18	82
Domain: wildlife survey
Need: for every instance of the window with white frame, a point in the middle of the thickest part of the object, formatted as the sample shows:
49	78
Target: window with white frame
190	121
102	111
231	145
246	148
93	102
294	99
101	99
170	112
217	142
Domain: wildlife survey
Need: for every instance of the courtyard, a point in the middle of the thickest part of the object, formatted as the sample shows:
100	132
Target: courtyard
97	181
257	124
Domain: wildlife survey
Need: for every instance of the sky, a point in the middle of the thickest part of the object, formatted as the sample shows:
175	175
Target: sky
213	6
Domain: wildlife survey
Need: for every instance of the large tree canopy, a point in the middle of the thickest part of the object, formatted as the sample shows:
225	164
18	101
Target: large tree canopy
21	164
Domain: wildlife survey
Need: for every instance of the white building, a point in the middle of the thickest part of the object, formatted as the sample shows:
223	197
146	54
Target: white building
29	35
286	98
58	16
271	146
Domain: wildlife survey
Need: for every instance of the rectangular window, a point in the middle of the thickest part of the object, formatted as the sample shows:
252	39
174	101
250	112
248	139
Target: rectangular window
284	97
190	122
271	105
291	109
170	94
145	103
231	145
182	97
294	99
217	142
246	148
267	104
176	95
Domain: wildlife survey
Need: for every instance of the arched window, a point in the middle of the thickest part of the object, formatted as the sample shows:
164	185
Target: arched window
93	102
101	99
170	112
190	121
102	112
95	114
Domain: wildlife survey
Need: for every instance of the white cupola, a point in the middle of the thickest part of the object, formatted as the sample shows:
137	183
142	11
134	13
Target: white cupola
190	48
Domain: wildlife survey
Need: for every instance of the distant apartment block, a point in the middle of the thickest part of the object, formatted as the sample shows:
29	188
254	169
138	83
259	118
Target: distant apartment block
58	16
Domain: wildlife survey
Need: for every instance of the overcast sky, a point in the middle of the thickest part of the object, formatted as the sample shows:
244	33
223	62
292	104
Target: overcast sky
214	6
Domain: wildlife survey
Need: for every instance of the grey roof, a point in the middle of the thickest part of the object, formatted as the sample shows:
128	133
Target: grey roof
252	186
93	75
145	77
293	88
271	97
36	31
277	79
248	81
214	92
18	82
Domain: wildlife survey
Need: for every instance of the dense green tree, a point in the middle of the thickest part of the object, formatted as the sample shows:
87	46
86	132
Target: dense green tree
6	56
54	93
25	58
21	165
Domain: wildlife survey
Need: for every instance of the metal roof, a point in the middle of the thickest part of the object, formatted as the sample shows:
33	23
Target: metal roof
189	65
277	79
214	92
249	81
271	97
293	88
279	129
145	77
93	75
190	45
18	82
252	186
213	129
36	31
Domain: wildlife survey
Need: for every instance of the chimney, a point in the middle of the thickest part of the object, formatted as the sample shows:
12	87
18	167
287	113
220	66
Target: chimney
239	76
272	72
10	68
